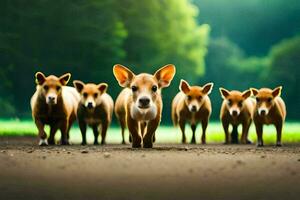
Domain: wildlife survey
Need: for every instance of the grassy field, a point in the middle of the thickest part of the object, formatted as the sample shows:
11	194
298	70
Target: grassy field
165	134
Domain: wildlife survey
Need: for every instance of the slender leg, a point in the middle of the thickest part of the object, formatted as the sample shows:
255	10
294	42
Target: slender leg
193	127
53	130
82	126
182	127
42	134
259	133
279	131
204	126
151	128
96	134
234	134
133	128
244	137
225	127
103	132
122	123
64	132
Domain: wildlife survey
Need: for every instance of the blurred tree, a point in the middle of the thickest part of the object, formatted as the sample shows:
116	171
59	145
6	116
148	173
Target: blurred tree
285	71
81	37
161	32
87	37
254	25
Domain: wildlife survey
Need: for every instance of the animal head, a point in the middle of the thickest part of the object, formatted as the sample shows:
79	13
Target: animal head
195	95
146	88
234	100
265	99
90	93
51	86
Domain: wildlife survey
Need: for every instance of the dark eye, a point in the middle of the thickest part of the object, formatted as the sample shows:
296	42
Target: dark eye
85	94
257	99
58	88
229	102
200	98
154	88
46	87
240	104
270	100
189	97
95	95
134	88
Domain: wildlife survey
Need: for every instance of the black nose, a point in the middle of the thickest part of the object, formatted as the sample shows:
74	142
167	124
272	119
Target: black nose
194	108
90	105
51	98
234	113
144	101
263	112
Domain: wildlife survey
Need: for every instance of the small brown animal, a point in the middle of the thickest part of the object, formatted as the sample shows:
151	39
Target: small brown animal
139	105
192	105
236	109
270	109
95	109
54	104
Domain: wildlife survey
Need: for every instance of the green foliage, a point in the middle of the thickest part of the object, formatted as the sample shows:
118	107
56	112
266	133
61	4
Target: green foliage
254	25
88	37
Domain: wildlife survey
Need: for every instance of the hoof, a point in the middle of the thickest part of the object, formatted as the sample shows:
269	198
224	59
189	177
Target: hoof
43	142
83	143
96	143
248	142
65	143
193	142
148	146
278	144
136	145
51	141
123	142
260	144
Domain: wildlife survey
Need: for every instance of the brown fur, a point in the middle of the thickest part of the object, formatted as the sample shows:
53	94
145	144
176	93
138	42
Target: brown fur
270	109
139	105
236	109
192	105
95	109
54	104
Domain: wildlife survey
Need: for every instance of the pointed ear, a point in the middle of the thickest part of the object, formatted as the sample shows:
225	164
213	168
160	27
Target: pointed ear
40	78
123	75
277	91
224	93
79	85
184	86
64	79
207	88
254	91
102	87
246	94
165	75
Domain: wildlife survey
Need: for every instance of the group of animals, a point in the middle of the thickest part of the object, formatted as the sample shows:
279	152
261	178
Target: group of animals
139	107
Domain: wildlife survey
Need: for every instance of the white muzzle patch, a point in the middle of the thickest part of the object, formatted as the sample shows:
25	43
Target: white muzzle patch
263	111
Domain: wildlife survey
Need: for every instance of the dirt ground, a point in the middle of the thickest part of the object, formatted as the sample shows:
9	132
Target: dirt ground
168	171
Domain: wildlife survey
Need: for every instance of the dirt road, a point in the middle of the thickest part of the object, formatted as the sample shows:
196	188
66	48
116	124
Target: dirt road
165	172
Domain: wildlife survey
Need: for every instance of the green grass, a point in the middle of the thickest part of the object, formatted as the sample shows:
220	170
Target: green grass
164	134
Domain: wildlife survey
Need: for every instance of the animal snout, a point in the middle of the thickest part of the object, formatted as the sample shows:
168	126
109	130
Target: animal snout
144	102
194	108
234	113
90	105
51	99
